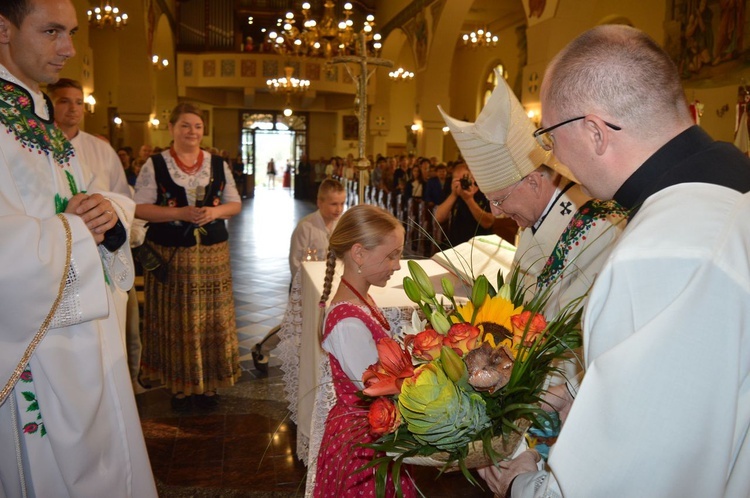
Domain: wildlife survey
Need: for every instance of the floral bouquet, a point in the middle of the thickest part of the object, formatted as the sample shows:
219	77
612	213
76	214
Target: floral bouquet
464	387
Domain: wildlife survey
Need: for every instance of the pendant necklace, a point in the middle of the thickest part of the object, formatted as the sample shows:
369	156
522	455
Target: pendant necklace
376	313
189	170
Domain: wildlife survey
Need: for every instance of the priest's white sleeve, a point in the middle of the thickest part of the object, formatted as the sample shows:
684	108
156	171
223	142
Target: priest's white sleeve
539	484
119	264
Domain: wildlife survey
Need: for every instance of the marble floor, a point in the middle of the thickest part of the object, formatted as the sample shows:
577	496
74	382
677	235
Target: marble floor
244	447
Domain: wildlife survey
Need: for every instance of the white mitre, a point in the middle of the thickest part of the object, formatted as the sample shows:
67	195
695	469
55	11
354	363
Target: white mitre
500	148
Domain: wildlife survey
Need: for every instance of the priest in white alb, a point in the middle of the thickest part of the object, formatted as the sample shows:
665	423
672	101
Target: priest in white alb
69	426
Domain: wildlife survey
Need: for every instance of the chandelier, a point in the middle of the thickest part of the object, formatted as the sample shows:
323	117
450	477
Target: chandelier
480	38
107	15
401	74
324	38
287	83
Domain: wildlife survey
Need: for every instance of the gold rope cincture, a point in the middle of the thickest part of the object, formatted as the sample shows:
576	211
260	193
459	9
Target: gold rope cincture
46	323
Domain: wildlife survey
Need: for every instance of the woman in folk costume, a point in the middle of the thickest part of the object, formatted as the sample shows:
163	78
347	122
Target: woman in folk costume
189	331
370	242
566	235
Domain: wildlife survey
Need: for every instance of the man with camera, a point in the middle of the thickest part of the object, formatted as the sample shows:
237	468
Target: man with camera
466	209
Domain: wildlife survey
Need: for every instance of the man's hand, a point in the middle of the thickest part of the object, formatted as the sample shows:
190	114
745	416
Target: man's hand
460	192
499	479
96	211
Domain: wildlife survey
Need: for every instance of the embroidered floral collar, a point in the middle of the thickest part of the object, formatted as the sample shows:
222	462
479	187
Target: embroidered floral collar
575	234
32	132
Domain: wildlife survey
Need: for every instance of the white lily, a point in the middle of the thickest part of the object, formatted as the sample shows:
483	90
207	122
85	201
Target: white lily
416	326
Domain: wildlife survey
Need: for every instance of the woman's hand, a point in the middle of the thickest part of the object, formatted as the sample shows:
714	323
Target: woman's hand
191	214
205	216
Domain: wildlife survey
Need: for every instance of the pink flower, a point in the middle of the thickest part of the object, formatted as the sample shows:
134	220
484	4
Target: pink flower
462	338
30	428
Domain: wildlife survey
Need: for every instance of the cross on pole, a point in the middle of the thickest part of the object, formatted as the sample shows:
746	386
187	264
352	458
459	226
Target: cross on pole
361	81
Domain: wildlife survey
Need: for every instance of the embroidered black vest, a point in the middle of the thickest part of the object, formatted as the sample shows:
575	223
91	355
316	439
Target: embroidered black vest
180	233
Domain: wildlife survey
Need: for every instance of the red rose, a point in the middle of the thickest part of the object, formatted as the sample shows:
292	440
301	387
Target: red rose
462	338
30	428
426	344
384	417
528	324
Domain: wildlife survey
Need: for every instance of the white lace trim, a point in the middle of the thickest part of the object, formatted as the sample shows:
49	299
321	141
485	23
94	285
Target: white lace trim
325	399
290	336
117	265
288	351
69	312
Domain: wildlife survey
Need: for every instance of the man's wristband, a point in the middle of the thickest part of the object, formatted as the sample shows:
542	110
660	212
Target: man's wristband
115	237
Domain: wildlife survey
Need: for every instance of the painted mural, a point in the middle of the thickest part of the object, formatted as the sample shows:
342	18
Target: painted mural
419	30
707	38
539	10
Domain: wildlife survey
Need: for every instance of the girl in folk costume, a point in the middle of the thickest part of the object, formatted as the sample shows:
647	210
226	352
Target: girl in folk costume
370	242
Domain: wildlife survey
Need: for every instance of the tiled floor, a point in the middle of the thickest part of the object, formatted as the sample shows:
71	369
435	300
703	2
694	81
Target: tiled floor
245	446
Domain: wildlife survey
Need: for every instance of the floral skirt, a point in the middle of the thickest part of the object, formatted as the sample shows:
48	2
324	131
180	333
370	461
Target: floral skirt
189	332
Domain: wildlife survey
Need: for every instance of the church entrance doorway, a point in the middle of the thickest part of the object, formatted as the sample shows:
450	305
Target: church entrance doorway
270	136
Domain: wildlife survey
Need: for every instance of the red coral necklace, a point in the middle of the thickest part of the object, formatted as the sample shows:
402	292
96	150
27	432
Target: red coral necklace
374	311
189	170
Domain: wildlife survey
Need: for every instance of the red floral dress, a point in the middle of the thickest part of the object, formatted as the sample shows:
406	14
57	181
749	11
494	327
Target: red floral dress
346	427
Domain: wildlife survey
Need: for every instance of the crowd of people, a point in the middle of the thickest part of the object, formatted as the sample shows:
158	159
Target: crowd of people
661	406
411	175
439	204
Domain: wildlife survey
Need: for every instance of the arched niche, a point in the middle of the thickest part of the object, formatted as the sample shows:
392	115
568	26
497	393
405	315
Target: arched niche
165	79
395	107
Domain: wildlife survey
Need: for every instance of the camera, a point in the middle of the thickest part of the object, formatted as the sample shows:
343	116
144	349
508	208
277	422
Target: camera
465	182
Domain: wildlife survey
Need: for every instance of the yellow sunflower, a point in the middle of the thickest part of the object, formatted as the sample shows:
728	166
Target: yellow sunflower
493	317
